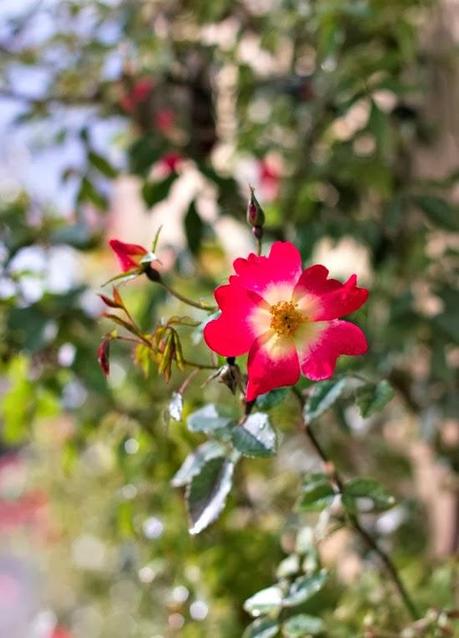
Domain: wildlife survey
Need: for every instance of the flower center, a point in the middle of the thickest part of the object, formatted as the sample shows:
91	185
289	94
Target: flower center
285	318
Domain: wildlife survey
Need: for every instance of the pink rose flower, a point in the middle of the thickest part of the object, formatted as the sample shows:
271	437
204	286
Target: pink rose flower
287	319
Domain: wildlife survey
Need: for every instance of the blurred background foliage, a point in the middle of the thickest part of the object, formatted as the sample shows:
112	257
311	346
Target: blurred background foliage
136	114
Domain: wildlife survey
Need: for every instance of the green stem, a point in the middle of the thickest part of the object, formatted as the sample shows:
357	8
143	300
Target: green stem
200	366
354	521
196	304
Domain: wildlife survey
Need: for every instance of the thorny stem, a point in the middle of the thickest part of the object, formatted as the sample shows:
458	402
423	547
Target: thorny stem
353	519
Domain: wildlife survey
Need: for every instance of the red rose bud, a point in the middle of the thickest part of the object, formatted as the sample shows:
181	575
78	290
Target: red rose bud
255	214
129	255
103	356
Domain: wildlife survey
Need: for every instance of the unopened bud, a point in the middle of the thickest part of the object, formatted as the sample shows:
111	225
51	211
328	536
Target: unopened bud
255	214
103	355
230	375
152	273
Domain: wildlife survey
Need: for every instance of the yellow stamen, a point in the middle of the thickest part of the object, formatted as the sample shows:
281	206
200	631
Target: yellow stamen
286	318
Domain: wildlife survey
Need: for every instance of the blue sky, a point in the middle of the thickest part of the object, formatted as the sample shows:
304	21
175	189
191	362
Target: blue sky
26	159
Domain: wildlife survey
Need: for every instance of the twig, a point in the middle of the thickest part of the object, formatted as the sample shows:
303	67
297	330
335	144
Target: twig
354	521
196	304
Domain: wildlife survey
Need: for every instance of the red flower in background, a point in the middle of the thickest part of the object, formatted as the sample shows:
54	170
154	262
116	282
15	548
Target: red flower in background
30	509
60	632
128	255
286	318
139	93
164	120
270	178
170	162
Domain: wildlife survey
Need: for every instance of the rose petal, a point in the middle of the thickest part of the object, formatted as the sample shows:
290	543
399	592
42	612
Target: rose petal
318	358
124	253
272	363
334	299
232	333
282	267
342	301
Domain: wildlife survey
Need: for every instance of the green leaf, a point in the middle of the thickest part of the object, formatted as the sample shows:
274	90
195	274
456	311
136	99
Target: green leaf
175	407
255	437
302	625
207	420
102	165
194	229
271	399
373	397
195	461
378	124
206	493
261	628
77	235
155	192
439	211
288	566
322	397
304	588
89	193
318	493
368	488
265	601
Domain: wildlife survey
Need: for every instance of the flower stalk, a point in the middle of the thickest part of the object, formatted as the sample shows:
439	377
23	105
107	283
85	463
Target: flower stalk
385	559
154	276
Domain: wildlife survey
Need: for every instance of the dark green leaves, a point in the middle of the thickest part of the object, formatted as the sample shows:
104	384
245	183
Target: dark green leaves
207	473
261	628
155	192
206	493
271	399
102	165
89	193
207	420
255	437
317	493
270	602
372	397
195	461
302	625
322	397
304	588
77	235
359	490
438	211
265	601
194	229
